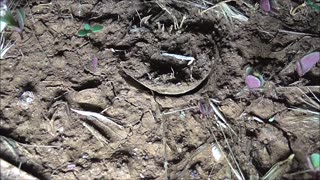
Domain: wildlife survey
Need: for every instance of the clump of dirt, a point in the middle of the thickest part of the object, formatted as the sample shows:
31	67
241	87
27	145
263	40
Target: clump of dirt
152	96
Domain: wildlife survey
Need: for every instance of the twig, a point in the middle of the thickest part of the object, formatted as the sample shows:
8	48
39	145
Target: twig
297	33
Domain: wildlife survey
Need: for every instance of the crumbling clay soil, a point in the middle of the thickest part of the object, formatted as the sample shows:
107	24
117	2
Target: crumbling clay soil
137	88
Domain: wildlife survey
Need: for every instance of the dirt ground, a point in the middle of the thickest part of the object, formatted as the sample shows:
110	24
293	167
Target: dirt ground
137	87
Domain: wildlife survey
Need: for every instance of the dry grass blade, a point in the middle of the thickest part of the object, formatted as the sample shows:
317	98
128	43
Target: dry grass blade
227	11
231	12
312	109
97	116
96	134
214	6
239	172
162	5
179	110
279	169
309	101
194	4
219	114
314	96
13	4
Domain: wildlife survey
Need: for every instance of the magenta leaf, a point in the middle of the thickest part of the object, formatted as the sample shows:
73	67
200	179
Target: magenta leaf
265	5
253	82
306	63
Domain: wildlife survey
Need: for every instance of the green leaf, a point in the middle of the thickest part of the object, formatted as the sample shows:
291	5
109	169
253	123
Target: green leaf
83	32
21	17
87	27
9	19
313	5
315	160
261	80
97	28
249	70
256	73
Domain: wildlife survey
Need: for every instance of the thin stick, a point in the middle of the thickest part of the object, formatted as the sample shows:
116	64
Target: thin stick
220	148
138	16
313	95
40	146
304	111
179	110
296	33
96	134
164	142
311	102
219	114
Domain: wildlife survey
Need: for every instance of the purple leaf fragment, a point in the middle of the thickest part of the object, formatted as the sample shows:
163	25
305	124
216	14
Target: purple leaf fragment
306	63
253	82
265	5
94	64
205	109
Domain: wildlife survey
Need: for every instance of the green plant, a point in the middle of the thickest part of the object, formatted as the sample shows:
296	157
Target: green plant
4	45
253	79
315	161
16	23
87	30
315	5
